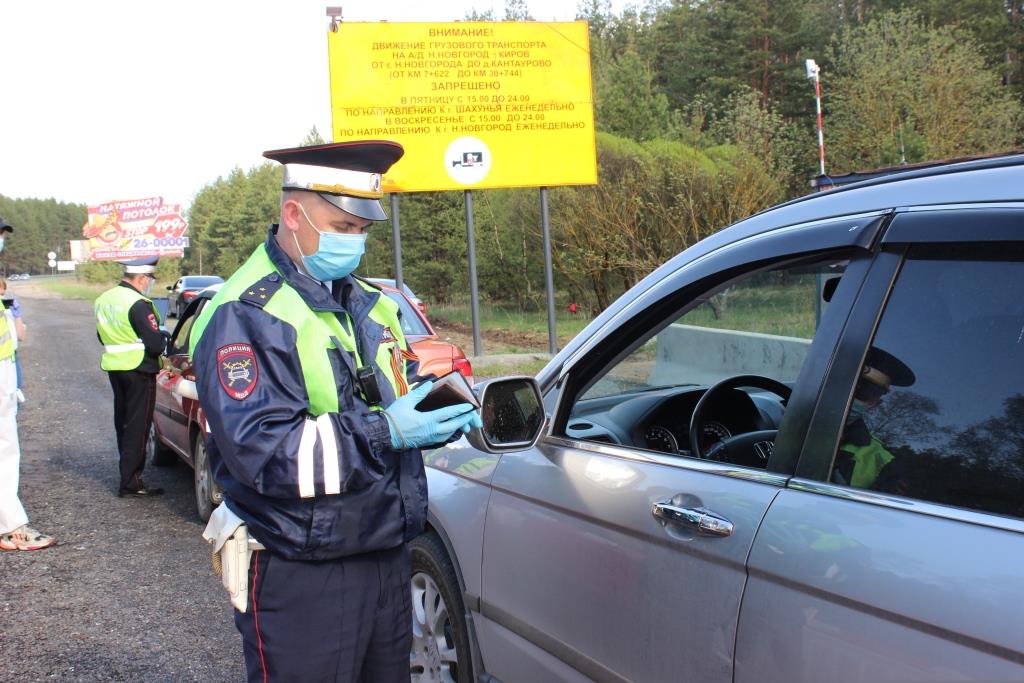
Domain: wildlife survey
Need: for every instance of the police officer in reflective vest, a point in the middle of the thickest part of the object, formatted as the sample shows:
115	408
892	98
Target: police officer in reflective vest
305	378
127	323
862	460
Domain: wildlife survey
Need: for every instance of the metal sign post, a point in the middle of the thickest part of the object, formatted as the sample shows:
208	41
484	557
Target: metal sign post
549	279
396	239
473	294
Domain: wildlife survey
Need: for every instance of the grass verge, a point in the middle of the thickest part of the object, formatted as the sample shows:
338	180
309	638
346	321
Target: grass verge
524	367
71	289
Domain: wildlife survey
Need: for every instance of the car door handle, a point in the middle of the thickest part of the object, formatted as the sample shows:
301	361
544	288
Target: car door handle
704	521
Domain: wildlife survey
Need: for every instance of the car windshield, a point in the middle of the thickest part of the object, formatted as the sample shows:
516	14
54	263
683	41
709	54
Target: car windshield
200	281
411	322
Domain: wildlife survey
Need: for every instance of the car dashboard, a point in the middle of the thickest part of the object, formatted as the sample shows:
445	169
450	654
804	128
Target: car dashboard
659	419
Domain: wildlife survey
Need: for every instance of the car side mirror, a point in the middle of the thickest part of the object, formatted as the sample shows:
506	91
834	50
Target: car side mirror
512	413
169	288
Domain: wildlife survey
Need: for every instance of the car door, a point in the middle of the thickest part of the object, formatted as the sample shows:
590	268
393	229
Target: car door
913	573
174	413
610	551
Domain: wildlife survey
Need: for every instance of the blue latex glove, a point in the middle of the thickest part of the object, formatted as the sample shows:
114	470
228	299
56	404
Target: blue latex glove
412	429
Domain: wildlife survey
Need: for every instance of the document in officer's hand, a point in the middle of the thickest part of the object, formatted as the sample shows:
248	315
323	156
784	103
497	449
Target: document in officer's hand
448	390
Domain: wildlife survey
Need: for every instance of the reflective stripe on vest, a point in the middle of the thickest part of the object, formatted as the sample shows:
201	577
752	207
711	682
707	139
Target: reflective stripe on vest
6	338
122	348
119	348
317	333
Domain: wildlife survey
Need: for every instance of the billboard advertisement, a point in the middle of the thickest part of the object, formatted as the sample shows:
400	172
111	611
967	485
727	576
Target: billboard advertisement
121	230
475	104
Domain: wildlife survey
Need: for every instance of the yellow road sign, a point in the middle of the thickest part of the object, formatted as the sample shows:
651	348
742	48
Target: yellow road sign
475	104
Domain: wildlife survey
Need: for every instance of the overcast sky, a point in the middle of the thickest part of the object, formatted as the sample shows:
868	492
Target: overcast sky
104	100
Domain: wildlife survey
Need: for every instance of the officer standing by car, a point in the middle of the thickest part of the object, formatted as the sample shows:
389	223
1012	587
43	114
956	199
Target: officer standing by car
304	375
128	326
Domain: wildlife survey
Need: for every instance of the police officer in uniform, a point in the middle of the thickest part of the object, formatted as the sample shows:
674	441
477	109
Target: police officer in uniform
128	326
304	375
863	461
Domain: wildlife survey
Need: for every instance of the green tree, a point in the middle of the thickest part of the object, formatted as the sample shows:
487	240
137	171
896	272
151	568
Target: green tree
627	102
655	199
898	79
40	226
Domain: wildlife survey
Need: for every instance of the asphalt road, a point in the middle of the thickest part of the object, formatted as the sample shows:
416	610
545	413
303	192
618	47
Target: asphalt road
128	594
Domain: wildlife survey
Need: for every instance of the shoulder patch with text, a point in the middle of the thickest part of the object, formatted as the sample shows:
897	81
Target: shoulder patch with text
236	369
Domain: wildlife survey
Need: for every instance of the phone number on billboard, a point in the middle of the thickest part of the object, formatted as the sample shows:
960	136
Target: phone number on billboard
158	242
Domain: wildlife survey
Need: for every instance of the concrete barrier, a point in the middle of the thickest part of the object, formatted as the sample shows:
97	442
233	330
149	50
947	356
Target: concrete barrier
703	355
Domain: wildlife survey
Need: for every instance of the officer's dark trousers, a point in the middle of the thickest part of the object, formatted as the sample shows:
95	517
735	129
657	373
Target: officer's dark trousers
134	396
346	621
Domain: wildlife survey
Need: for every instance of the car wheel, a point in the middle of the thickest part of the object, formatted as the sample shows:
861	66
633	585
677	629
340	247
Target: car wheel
208	494
440	639
156	452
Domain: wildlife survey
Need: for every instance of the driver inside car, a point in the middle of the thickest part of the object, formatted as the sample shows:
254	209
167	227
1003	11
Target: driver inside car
862	460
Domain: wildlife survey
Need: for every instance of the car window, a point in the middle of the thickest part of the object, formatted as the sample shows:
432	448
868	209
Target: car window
758	324
411	323
179	343
201	281
761	325
938	409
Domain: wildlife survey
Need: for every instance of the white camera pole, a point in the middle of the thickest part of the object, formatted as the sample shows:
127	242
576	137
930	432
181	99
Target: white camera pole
813	73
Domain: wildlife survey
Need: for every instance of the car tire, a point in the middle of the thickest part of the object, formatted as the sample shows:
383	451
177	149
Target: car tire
156	452
208	494
440	638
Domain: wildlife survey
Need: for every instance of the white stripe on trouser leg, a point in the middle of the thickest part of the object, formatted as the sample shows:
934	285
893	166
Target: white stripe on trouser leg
12	513
332	476
307	487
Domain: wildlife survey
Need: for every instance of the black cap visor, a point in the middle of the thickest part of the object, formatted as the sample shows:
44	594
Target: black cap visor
369	209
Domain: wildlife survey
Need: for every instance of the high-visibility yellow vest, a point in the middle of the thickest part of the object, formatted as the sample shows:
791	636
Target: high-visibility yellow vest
315	332
868	462
6	335
122	347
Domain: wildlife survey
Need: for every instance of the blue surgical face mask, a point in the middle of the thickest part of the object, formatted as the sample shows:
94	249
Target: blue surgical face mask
337	256
1	243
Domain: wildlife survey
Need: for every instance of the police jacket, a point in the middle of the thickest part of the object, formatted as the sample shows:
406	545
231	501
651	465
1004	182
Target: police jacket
300	453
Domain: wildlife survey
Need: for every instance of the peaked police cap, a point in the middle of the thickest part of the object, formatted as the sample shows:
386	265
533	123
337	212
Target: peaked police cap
140	266
346	174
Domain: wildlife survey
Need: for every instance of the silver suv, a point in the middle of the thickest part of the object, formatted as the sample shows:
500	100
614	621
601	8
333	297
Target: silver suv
795	452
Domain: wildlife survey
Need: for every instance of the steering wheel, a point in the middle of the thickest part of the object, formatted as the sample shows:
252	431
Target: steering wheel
752	448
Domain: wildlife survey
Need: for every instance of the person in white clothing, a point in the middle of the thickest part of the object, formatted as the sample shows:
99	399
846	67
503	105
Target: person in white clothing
15	533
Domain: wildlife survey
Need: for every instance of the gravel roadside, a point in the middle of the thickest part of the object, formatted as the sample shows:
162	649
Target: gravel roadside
128	593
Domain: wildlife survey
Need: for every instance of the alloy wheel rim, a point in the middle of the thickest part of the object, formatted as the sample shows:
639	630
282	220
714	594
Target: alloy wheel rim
202	472
151	443
433	657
